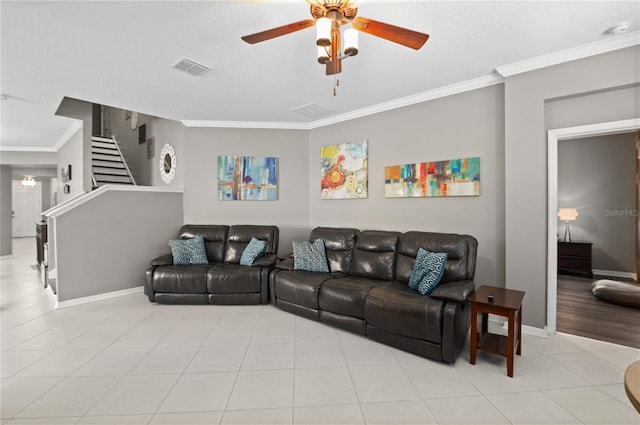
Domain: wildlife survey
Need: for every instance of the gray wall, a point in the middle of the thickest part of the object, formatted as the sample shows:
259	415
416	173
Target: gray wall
6	247
527	98
464	125
197	160
94	259
135	153
596	175
72	153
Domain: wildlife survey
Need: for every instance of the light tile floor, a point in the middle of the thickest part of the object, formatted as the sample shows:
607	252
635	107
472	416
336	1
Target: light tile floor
127	361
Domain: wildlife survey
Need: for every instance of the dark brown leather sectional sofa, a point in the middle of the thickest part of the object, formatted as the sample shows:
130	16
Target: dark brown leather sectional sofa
223	280
366	290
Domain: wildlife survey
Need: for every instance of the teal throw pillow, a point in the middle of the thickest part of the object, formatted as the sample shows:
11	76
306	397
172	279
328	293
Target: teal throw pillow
310	256
180	251
189	251
252	251
198	251
427	271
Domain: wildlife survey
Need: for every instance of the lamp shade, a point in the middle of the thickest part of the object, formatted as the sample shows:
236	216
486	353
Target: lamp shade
350	42
567	214
323	55
323	32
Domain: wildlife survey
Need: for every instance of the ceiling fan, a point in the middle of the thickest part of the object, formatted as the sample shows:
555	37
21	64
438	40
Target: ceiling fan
328	17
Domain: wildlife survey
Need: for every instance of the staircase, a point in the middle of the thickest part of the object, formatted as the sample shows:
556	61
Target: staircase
107	163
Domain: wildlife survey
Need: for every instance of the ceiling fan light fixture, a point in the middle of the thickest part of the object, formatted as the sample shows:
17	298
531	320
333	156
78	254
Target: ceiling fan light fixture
323	32
323	55
350	42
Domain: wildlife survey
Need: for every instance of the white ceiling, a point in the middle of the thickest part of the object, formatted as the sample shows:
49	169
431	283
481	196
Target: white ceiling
120	53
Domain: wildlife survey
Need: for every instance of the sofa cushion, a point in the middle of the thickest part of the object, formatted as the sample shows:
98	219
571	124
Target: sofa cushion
310	256
338	244
299	287
225	278
346	295
215	237
252	251
460	250
427	271
397	309
181	279
374	256
240	236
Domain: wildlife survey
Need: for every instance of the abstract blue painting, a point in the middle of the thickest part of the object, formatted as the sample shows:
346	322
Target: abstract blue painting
247	178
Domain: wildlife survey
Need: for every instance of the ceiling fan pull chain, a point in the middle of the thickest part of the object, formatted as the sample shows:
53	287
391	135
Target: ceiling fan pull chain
336	83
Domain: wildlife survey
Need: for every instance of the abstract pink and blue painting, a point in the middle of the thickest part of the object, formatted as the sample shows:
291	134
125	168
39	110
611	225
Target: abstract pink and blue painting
247	178
454	177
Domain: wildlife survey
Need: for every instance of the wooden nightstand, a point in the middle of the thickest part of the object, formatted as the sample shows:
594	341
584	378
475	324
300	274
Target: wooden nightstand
574	257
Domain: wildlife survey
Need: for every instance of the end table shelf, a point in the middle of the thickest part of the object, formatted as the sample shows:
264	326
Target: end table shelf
502	302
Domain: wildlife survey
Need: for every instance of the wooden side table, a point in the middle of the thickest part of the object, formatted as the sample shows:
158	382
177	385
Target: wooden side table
632	384
506	303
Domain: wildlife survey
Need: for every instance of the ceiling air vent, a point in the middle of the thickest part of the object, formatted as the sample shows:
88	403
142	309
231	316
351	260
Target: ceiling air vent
190	67
311	110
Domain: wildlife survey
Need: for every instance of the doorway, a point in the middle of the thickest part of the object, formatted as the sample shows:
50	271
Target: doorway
615	127
27	208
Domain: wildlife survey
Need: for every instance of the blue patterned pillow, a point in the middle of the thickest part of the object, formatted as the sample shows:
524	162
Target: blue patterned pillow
198	251
189	251
310	256
180	251
253	250
427	270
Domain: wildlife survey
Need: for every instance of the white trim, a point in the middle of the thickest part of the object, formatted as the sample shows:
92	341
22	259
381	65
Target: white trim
539	332
613	273
71	131
99	297
568	55
553	136
26	149
246	124
477	83
86	197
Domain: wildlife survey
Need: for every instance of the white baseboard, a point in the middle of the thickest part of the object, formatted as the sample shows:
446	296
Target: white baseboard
612	273
99	297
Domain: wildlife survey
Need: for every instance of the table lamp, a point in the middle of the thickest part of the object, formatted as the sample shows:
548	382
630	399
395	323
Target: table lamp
567	214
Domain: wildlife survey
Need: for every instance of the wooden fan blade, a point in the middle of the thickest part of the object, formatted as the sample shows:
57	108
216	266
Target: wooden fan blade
404	36
277	32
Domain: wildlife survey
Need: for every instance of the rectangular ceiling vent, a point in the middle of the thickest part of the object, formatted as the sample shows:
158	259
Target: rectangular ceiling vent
312	110
190	67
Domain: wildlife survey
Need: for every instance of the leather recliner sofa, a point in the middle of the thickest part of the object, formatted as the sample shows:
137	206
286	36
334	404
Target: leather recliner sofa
366	290
224	280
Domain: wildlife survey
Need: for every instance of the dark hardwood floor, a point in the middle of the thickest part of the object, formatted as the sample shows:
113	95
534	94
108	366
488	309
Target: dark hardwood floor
581	313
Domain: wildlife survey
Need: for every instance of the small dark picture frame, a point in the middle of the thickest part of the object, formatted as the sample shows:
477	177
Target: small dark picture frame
142	134
66	188
66	173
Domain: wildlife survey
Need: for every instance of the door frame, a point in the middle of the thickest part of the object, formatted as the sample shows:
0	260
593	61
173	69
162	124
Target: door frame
553	137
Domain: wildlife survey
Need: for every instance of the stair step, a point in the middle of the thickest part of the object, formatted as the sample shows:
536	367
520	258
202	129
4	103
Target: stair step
107	145
103	157
112	171
101	139
108	164
104	151
109	178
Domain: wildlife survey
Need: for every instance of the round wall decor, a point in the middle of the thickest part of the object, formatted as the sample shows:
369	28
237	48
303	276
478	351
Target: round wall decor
167	163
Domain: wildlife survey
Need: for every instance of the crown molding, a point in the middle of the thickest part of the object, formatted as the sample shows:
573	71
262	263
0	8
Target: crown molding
477	83
246	124
73	128
27	149
568	55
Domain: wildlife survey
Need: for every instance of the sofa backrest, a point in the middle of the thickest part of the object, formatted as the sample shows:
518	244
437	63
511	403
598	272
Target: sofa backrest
240	235
215	238
339	244
461	254
374	256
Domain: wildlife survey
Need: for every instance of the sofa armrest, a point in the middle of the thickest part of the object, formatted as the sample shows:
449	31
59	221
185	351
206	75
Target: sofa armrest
163	260
457	291
265	260
285	264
